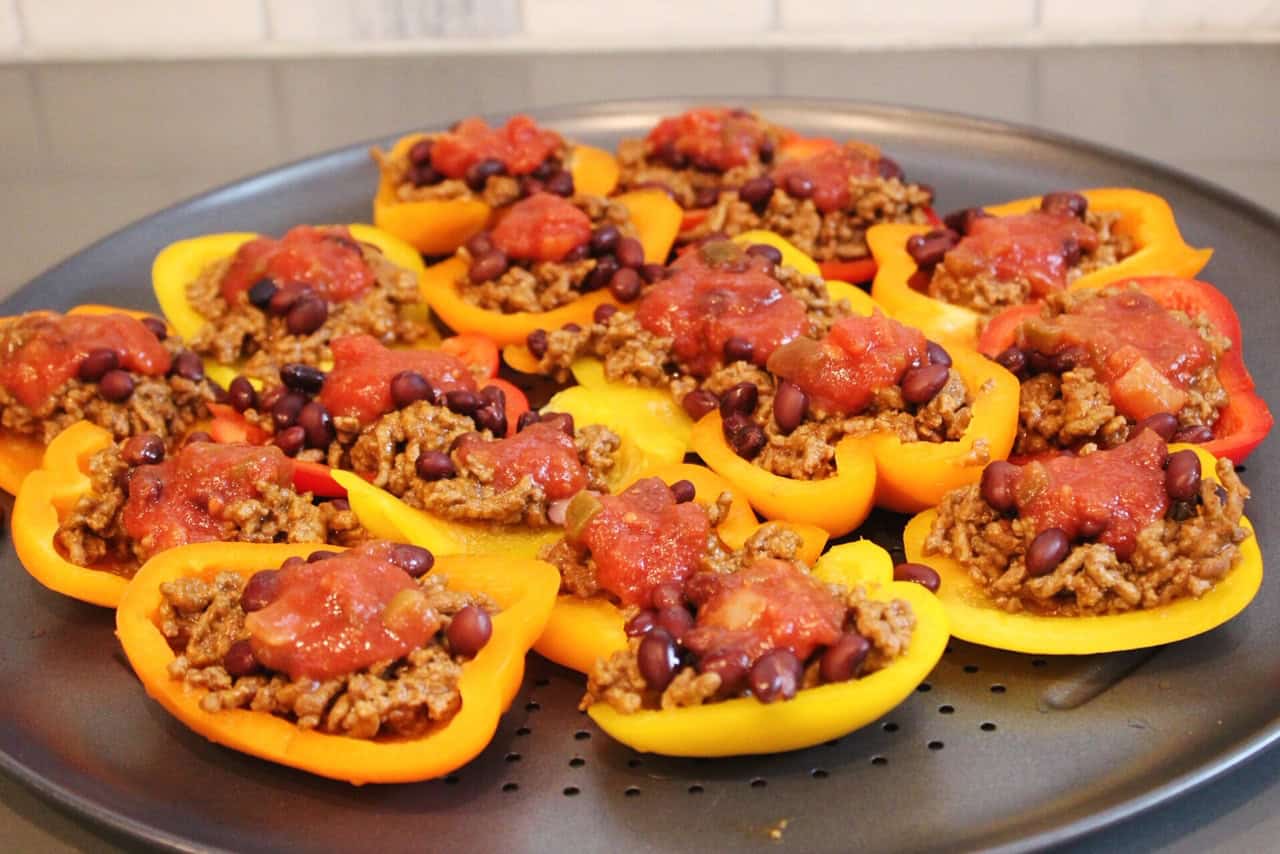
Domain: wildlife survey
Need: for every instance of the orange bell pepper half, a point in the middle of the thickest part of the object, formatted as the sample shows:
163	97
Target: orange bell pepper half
1145	217
21	454
488	684
440	226
975	618
656	219
583	630
746	726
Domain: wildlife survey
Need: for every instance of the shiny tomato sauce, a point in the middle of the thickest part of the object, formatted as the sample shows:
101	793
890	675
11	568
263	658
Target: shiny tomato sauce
542	227
181	500
1145	356
1037	247
711	138
331	617
1117	492
829	172
360	383
327	258
642	538
520	144
40	352
542	451
770	604
842	372
715	293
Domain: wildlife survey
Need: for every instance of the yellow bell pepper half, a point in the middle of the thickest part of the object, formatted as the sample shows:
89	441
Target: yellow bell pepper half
747	726
975	618
1145	217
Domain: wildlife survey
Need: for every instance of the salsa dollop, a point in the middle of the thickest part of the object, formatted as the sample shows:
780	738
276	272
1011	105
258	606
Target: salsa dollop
542	227
543	452
713	139
359	385
828	172
1038	248
521	145
326	258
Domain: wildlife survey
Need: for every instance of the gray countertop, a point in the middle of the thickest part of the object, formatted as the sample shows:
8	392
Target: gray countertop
88	148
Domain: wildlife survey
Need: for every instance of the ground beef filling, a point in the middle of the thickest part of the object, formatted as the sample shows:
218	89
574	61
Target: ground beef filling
987	294
394	699
93	533
390	311
641	165
835	236
1174	557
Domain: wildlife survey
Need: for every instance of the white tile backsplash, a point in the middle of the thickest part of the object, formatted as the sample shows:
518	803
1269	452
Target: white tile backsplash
646	18
906	17
165	24
334	20
10	29
1158	15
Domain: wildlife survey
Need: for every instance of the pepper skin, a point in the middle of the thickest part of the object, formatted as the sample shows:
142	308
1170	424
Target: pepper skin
975	618
1147	218
1246	420
439	227
656	219
746	726
488	684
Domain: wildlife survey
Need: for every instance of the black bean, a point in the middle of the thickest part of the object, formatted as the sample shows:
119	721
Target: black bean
738	349
420	152
937	355
1012	360
530	186
434	465
239	660
888	168
424	176
1072	251
156	327
641	624
487	267
478	174
307	315
529	416
732	666
670	155
188	366
1197	435
284	299
243	395
602	275
560	184
303	378
116	386
492	394
699	402
410	387
1047	550
491	417
536	341
1182	475
669	594
603	313
316	421
684	491
741	397
790	406
97	363
1163	424
284	413
928	249
962	220
766	150
923	575
676	620
705	197
480	243
843	659
657	659
291	440
197	436
604	240
763	250
1088	529
1181	511
144	450
776	676
340	504
415	560
547	168
469	630
1067	360
625	285
999	485
260	590
798	186
1072	204
462	401
921	385
744	436
321	554
562	420
630	253
653	273
757	191
261	292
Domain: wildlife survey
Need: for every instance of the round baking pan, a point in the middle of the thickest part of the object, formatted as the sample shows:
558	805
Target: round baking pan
995	750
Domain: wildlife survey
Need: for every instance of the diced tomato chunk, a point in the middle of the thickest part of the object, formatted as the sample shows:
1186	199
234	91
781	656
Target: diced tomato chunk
342	614
542	451
1035	247
543	227
829	171
327	258
709	299
40	352
360	383
642	538
770	604
521	144
1119	491
859	355
709	138
183	499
